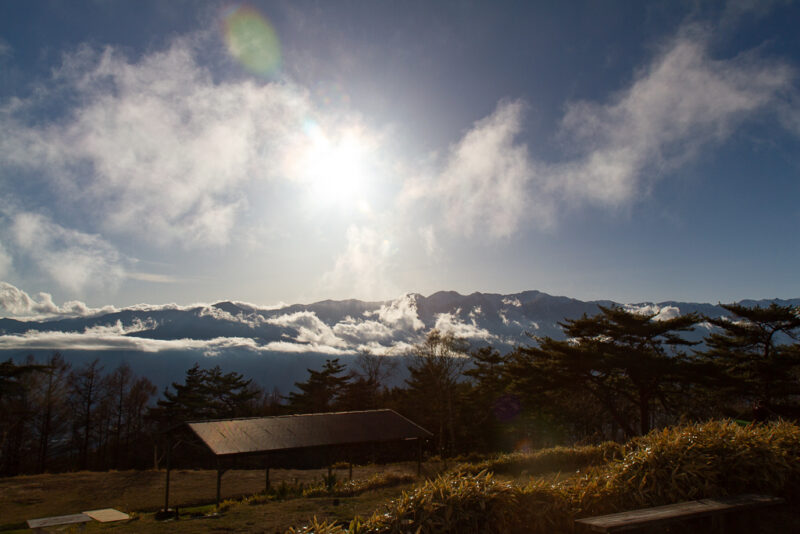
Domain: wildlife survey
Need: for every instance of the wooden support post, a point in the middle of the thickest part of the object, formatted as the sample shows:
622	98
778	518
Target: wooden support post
419	456
267	481
219	482
166	485
350	474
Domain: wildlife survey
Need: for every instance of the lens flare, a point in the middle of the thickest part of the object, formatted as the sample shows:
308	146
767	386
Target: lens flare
252	40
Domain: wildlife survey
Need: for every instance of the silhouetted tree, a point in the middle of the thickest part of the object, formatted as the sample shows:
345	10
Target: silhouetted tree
16	412
207	394
628	362
322	389
753	351
435	368
51	393
85	396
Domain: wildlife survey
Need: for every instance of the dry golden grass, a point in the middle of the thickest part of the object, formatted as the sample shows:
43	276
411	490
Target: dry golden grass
28	497
673	465
683	463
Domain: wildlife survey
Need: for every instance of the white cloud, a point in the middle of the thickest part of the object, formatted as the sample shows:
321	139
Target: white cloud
400	314
363	267
159	147
17	303
310	329
680	104
75	260
659	313
428	235
508	301
484	181
5	261
285	346
362	331
111	338
683	102
154	277
449	323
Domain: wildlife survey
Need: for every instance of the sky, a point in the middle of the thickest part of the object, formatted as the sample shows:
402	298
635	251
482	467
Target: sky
290	152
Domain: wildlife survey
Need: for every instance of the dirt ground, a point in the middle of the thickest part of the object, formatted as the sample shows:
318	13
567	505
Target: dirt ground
29	497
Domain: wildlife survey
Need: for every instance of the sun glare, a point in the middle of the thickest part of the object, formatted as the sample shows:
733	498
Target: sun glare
336	169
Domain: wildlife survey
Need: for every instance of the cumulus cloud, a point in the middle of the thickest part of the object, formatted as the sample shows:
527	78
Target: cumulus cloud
362	331
310	329
680	104
449	323
15	302
162	148
400	314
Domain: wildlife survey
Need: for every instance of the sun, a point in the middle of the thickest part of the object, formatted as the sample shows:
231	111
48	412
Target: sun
336	168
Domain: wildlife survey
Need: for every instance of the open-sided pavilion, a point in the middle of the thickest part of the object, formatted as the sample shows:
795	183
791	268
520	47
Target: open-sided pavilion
227	439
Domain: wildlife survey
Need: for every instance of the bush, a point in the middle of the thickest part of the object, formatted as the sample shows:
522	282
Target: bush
358	486
689	462
547	460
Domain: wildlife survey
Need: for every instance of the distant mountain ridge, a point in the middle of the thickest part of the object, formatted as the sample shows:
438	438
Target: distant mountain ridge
278	344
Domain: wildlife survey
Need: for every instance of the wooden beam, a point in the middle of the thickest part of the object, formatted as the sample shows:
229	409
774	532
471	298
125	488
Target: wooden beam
219	482
636	519
166	484
419	456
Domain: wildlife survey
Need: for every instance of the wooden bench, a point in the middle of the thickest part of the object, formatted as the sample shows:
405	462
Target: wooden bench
44	523
659	515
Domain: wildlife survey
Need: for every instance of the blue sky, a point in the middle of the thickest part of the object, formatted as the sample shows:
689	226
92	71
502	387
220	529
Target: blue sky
297	151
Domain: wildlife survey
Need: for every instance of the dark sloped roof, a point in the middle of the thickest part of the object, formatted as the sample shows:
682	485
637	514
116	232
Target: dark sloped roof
264	434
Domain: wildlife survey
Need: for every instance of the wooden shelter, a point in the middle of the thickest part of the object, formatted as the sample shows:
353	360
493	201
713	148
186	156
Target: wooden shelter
228	439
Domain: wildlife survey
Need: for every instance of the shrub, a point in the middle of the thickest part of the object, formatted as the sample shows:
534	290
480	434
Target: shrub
683	463
358	486
547	460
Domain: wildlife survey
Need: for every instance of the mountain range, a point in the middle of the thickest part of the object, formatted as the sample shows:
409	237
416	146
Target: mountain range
275	345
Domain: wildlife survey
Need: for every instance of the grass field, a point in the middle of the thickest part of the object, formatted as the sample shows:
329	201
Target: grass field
511	493
28	497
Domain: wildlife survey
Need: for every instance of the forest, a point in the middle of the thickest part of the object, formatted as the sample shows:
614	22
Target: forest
617	375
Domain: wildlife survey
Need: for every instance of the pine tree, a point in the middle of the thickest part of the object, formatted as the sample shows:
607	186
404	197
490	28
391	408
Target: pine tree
628	362
207	394
435	368
754	352
322	389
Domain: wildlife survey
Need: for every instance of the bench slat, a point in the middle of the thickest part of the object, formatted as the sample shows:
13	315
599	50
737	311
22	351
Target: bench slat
58	520
671	512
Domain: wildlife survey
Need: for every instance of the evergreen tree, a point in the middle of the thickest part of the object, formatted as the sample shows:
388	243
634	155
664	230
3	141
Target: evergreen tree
16	413
207	394
433	392
489	404
363	391
322	389
754	352
628	362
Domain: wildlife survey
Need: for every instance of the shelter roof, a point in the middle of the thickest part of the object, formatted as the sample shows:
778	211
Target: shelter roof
281	433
